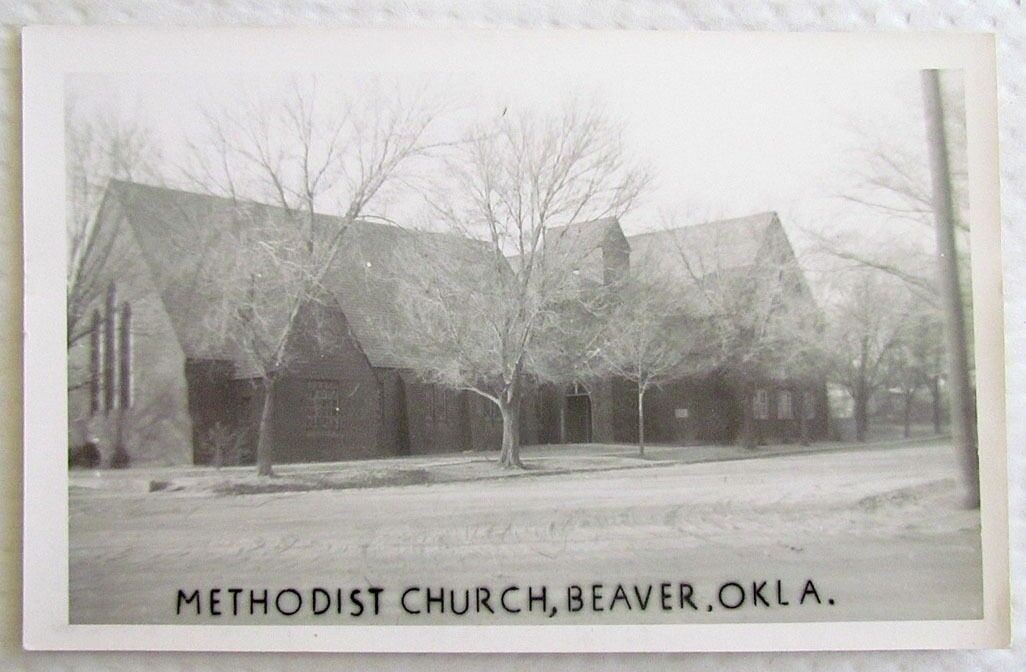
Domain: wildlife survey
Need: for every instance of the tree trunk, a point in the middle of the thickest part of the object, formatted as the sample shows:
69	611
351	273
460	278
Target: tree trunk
803	424
936	399
119	428
562	416
909	396
641	421
960	395
265	445
746	433
509	456
861	413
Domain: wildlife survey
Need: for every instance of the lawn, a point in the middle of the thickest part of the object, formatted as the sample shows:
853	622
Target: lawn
876	530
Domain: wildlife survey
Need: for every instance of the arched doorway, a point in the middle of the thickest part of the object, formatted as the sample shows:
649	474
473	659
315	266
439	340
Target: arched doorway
577	403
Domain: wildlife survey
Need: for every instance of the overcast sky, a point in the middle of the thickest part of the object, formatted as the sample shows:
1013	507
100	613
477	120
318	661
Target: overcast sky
722	143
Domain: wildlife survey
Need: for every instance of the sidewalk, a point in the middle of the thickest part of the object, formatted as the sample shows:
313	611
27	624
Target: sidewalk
446	468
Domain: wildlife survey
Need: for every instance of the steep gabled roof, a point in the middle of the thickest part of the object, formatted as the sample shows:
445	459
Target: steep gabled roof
180	235
183	237
364	278
582	237
713	255
711	247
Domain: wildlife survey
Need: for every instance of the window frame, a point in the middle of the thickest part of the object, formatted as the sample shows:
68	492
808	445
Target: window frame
311	424
785	411
809	405
760	404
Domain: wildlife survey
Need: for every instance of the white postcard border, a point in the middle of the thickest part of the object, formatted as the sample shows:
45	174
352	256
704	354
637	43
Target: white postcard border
49	53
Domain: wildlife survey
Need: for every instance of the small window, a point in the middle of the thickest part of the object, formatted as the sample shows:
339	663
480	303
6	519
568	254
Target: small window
325	408
784	411
761	405
809	405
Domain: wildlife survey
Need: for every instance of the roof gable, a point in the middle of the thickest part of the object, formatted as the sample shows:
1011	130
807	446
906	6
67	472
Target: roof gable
687	252
582	238
183	237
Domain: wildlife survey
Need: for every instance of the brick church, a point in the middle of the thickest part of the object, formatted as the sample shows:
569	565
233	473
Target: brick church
151	376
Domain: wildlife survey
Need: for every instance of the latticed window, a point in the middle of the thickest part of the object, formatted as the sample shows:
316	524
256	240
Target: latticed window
324	413
760	405
110	356
784	405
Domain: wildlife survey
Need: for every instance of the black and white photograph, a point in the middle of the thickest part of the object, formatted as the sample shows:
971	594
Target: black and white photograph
548	330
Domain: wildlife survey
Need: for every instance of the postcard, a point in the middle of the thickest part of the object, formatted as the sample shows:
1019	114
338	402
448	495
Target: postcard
468	340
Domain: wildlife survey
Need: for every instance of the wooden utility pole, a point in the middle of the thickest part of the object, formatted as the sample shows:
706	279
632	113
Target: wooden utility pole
963	413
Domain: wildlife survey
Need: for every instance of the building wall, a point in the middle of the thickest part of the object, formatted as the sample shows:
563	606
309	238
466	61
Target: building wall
434	414
602	411
702	412
214	428
463	421
546	411
324	354
485	423
393	432
321	355
682	412
778	429
156	429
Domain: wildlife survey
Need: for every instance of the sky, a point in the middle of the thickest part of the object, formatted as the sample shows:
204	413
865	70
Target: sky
721	143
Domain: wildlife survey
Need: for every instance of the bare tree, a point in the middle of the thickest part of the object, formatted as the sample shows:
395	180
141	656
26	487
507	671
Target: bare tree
306	154
892	185
863	336
927	185
97	150
472	320
646	339
916	361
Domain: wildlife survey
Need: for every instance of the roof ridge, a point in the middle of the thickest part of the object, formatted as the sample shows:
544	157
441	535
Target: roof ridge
229	201
770	214
605	221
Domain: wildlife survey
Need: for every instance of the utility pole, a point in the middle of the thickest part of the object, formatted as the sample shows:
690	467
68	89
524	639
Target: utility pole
963	413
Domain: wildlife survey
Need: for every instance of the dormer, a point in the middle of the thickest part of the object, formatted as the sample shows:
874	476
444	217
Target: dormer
597	251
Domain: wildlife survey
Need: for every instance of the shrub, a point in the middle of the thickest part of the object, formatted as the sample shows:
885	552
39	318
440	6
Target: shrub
120	459
85	456
224	445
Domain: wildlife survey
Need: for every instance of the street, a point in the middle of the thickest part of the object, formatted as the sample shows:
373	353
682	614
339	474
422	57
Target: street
877	532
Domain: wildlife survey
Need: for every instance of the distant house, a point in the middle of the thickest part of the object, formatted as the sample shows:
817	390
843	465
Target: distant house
156	376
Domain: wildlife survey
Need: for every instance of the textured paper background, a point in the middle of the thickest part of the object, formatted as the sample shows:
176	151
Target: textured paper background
1006	18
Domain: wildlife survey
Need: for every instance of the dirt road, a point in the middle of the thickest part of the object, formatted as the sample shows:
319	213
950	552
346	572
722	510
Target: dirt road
877	532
